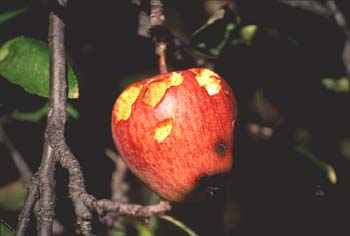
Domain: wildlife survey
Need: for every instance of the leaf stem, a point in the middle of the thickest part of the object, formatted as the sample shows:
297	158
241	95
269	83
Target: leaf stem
178	224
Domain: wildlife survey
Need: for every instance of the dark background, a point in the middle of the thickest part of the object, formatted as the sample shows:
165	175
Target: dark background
273	190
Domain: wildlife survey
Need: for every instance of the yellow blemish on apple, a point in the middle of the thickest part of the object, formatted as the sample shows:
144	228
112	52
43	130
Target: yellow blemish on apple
209	80
157	89
163	129
125	101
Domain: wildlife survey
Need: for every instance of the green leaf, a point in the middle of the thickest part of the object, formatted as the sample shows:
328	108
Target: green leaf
12	196
117	232
37	115
338	85
344	148
322	165
72	112
6	16
5	229
210	39
25	62
143	229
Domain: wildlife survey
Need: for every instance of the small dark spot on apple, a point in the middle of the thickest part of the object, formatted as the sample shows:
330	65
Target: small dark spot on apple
220	148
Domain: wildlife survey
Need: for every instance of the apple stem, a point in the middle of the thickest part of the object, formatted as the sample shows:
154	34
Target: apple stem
161	48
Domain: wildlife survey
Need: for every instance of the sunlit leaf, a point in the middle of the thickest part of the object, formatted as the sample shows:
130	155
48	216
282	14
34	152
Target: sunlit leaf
246	35
210	39
338	85
25	62
322	165
12	196
5	229
6	16
37	115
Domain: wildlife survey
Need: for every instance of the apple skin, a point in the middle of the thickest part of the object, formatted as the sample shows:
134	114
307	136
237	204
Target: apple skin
175	128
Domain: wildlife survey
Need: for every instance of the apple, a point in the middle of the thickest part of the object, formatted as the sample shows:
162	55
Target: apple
174	129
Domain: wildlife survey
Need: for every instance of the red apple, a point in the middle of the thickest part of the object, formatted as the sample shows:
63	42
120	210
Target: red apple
175	128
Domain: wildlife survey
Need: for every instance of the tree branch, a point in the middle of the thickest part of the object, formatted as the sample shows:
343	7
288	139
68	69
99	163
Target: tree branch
105	206
55	146
47	204
31	199
57	103
27	180
22	167
118	186
57	116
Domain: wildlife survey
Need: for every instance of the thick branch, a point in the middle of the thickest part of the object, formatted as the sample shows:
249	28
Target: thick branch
57	103
47	192
76	179
54	133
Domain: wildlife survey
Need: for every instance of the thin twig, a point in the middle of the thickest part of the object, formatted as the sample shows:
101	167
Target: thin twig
157	19
157	16
313	6
22	166
346	56
135	210
31	199
118	186
345	26
338	16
